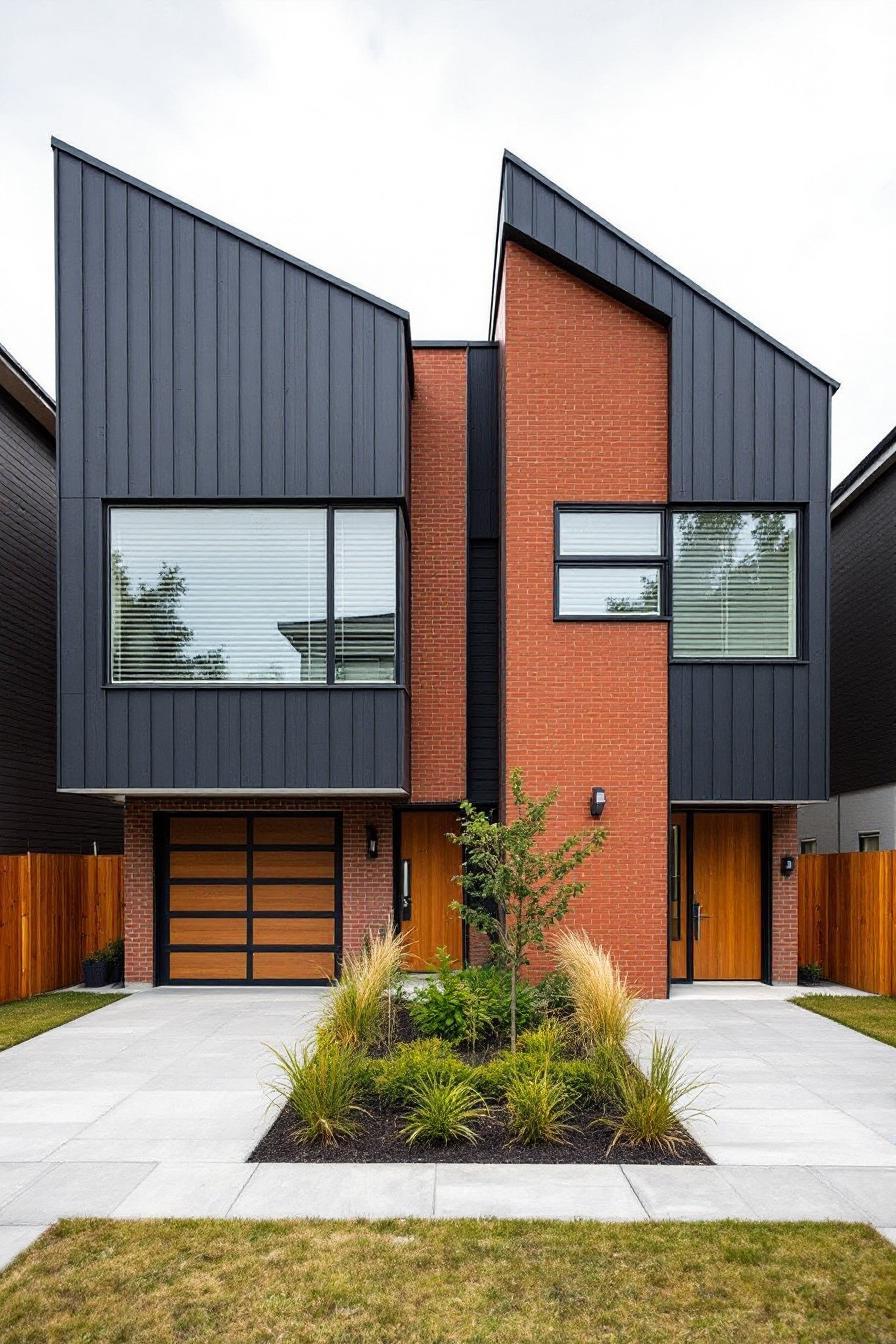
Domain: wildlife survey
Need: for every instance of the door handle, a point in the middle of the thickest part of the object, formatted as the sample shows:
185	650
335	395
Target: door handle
405	889
698	916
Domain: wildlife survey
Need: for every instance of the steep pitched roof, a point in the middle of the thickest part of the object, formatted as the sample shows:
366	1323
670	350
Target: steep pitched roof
535	211
27	391
874	465
273	251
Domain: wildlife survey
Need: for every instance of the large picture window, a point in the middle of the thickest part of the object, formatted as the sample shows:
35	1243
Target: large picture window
608	563
734	584
257	595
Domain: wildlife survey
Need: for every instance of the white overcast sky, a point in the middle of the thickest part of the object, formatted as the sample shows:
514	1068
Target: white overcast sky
750	143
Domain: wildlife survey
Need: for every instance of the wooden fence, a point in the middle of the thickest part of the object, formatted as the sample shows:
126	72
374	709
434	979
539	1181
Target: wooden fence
55	909
847	918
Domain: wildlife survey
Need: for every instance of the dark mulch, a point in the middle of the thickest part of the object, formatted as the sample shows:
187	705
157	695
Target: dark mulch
378	1140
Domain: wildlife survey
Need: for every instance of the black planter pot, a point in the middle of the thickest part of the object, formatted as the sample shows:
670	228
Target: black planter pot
96	974
116	972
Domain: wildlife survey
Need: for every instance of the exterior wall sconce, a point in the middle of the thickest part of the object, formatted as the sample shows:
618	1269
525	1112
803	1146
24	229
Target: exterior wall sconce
373	842
788	865
598	798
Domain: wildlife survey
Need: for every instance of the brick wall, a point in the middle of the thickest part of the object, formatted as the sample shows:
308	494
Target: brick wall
367	883
785	910
438	511
586	703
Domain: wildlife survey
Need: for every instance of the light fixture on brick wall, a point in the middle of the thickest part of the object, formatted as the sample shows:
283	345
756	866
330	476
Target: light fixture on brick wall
598	799
788	864
373	842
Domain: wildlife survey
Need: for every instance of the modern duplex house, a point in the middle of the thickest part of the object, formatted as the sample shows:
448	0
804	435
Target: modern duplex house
33	816
861	813
319	583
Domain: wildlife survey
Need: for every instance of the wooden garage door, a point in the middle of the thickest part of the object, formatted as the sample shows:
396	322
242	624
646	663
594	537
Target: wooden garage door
250	899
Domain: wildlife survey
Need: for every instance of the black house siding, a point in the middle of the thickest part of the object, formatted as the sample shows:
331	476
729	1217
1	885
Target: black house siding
195	363
863	640
749	422
32	815
482	575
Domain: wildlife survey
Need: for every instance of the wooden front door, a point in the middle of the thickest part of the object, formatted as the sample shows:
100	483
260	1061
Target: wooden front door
428	863
726	895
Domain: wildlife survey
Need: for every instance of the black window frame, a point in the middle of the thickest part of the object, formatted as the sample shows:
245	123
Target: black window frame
659	561
797	508
868	835
402	595
809	840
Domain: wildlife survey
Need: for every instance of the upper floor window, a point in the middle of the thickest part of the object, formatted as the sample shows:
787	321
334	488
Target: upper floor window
869	842
608	562
734	584
252	595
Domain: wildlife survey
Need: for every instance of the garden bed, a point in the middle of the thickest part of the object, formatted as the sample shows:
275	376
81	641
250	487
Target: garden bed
379	1139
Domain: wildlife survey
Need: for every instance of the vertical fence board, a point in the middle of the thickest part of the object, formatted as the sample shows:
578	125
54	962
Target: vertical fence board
847	913
54	910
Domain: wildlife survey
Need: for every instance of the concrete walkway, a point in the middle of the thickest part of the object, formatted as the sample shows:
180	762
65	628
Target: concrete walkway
148	1108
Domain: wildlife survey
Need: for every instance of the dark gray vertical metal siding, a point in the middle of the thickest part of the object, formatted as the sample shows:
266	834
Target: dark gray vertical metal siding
32	814
748	422
483	530
195	364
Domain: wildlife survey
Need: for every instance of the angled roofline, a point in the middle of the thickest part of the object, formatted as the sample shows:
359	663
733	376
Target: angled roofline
401	313
864	474
502	229
27	391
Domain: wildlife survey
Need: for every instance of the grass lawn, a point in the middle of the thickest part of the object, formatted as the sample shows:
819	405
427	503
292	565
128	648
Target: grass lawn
25	1018
873	1015
415	1282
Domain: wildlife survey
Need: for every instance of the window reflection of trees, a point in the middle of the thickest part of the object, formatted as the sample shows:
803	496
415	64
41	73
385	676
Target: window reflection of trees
150	639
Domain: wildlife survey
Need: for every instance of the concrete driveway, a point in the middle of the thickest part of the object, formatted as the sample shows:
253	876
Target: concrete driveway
150	1107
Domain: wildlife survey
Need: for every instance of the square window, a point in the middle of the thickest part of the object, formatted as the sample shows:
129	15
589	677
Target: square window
869	842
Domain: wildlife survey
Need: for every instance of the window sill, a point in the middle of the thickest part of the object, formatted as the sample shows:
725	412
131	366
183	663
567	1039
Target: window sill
253	686
739	662
619	619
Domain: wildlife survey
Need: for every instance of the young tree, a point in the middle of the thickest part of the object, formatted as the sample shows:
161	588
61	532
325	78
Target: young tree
514	891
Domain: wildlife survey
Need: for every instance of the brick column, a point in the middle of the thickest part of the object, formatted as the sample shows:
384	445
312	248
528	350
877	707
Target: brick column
784	898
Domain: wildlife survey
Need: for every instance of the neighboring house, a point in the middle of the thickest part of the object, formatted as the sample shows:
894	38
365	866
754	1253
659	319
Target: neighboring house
320	583
33	816
861	813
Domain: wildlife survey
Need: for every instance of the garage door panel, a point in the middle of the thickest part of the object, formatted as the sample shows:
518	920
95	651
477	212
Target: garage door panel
295	830
297	931
211	931
205	863
293	965
208	830
208	965
295	896
207	896
293	863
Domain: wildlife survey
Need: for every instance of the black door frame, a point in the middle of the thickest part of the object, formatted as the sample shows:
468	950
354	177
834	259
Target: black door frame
687	906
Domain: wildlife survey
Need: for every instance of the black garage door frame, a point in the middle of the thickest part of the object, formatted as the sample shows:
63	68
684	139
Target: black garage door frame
162	882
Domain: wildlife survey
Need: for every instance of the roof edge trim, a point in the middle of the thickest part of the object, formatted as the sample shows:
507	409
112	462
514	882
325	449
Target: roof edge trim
509	157
27	391
864	474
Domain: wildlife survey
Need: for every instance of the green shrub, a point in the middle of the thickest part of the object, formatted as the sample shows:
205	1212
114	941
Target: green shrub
322	1087
551	996
810	974
357	1013
651	1108
395	1077
583	1082
549	1041
443	1112
538	1107
470	1006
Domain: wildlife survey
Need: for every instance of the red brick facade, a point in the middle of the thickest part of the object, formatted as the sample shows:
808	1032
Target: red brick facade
367	883
586	703
785	920
438	509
